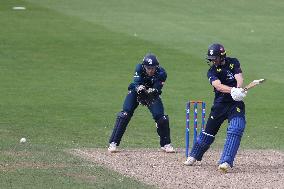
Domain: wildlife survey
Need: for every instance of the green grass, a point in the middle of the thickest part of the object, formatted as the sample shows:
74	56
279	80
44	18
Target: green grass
65	67
28	166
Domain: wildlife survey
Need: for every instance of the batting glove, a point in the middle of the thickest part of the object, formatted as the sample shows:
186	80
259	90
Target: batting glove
238	94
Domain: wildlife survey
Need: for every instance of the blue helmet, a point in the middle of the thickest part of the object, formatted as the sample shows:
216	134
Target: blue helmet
150	60
216	50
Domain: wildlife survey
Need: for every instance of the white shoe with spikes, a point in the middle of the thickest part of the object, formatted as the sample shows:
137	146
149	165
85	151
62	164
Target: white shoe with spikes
190	161
224	167
112	147
168	148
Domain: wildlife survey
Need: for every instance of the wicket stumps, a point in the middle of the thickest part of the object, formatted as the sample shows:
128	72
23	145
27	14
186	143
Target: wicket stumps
195	123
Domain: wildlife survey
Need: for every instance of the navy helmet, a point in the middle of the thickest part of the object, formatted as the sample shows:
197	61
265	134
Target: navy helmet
216	50
150	60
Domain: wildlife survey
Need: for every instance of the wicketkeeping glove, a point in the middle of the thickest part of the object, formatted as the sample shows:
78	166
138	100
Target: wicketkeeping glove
152	93
147	97
140	89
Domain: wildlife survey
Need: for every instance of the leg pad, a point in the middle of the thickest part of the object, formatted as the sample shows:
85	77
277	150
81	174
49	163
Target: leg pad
232	143
163	130
120	125
202	144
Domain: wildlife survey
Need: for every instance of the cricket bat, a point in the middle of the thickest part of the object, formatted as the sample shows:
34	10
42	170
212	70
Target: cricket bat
253	84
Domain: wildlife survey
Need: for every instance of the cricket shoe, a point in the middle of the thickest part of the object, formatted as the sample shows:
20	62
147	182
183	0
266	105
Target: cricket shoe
190	161
112	147
224	167
168	148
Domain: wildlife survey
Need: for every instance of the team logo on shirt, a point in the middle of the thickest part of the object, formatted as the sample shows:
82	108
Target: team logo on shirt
230	75
219	69
231	66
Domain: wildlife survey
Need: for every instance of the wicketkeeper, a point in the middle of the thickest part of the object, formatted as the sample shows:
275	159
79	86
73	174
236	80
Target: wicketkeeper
148	81
225	75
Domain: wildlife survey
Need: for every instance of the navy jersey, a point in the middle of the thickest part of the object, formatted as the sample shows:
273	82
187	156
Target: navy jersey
141	78
226	74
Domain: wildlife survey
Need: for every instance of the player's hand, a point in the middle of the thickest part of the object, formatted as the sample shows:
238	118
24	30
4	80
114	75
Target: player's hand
238	94
140	89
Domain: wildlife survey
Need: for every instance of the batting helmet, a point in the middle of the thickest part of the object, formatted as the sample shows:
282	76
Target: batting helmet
216	50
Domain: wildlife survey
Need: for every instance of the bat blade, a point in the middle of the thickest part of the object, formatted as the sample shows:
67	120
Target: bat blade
258	81
253	84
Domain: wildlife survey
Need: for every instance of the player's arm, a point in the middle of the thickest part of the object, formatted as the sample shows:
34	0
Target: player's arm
240	80
220	87
216	83
238	73
149	96
226	89
159	83
138	83
137	78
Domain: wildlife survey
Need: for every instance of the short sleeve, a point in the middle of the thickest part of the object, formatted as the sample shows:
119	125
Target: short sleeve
237	66
137	78
211	76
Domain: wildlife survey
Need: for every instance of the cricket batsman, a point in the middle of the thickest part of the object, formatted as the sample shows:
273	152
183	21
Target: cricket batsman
225	75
